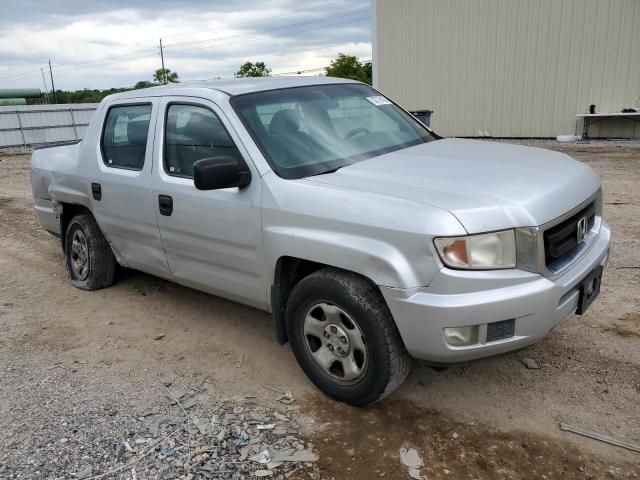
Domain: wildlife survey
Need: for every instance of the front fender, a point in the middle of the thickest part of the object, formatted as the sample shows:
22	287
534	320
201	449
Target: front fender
386	239
379	261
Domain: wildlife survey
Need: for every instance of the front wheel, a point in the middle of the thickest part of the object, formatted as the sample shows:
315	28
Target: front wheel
89	258
344	337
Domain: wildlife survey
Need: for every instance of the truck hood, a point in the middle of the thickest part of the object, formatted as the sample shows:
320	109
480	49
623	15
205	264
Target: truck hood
486	185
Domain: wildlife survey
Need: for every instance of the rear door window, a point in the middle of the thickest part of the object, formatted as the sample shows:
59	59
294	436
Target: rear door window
124	137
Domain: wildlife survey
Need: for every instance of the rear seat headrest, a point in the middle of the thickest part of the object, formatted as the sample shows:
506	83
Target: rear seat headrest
137	132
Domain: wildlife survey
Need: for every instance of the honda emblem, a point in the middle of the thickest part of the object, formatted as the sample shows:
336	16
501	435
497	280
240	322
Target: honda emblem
581	230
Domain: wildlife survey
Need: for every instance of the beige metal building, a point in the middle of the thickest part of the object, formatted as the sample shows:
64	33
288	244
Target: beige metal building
510	68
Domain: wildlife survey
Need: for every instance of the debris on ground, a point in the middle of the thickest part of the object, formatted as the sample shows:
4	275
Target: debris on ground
263	457
530	363
411	459
228	441
238	363
599	436
86	473
160	438
287	398
168	452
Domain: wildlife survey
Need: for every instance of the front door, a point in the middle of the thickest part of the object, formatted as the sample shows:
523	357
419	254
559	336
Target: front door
212	239
120	176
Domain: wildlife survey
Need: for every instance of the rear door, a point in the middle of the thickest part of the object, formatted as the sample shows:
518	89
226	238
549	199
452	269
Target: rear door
121	184
212	239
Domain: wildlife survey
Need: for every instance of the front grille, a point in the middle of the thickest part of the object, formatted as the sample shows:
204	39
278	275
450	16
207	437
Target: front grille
500	330
561	240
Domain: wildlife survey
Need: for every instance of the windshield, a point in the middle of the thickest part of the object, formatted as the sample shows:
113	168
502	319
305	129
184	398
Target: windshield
312	130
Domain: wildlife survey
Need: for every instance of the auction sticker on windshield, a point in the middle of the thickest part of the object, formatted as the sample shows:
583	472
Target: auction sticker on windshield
379	100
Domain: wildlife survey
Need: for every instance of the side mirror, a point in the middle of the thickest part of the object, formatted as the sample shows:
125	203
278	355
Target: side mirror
222	171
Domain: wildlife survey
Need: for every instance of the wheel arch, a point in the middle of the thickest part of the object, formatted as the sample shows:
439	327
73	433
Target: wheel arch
288	272
69	211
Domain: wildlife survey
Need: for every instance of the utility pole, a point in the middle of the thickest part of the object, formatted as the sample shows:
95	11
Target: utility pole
164	72
53	87
44	82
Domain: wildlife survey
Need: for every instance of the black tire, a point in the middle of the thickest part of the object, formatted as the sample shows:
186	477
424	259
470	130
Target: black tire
100	263
387	360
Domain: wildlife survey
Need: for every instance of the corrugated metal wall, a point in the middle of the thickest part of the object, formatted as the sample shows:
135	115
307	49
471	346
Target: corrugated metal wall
33	125
510	68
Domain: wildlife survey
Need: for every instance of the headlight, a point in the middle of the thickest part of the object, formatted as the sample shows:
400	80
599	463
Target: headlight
479	252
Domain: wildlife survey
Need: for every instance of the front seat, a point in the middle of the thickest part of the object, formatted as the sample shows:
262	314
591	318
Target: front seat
195	144
285	122
291	144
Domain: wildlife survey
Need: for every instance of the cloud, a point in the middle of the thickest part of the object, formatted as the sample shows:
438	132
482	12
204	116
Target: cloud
107	43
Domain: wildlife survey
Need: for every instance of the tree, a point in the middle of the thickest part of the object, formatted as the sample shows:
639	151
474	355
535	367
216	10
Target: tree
144	84
348	66
368	69
258	69
164	75
80	96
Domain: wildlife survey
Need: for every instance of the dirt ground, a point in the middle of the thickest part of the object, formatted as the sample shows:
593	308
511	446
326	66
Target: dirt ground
84	367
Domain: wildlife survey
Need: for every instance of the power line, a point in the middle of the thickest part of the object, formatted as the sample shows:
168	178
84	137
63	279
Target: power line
266	30
311	70
150	51
274	34
20	75
166	49
243	24
146	53
111	61
110	56
134	54
293	72
252	24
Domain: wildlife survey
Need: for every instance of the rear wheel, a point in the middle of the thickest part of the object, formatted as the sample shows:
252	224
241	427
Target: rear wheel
90	261
344	337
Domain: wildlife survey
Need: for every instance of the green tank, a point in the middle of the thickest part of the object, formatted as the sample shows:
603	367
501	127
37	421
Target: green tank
20	93
4	102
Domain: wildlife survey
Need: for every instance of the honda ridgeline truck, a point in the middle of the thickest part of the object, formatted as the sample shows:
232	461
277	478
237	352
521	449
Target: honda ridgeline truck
369	238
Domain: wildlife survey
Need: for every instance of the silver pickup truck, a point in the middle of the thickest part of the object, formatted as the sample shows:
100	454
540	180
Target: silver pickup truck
369	238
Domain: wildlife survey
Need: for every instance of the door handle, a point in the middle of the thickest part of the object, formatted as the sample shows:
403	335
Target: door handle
96	191
165	203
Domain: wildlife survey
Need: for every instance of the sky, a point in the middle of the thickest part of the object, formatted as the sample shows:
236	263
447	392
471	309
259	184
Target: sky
115	43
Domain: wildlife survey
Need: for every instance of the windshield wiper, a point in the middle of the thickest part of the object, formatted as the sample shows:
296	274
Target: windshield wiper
333	170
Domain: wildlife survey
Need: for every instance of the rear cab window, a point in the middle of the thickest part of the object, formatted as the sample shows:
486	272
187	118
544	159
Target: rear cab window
124	136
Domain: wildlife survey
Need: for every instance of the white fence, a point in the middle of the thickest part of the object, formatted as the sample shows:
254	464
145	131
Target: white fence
33	125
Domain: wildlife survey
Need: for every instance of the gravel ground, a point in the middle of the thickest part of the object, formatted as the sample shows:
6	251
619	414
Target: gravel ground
85	372
78	421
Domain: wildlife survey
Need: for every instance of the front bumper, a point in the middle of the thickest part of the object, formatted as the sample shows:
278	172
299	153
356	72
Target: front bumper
459	298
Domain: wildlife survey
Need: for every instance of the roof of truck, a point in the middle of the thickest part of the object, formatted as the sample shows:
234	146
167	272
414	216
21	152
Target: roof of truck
237	86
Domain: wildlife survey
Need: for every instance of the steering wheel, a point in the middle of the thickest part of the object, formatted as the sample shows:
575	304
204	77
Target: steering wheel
356	131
